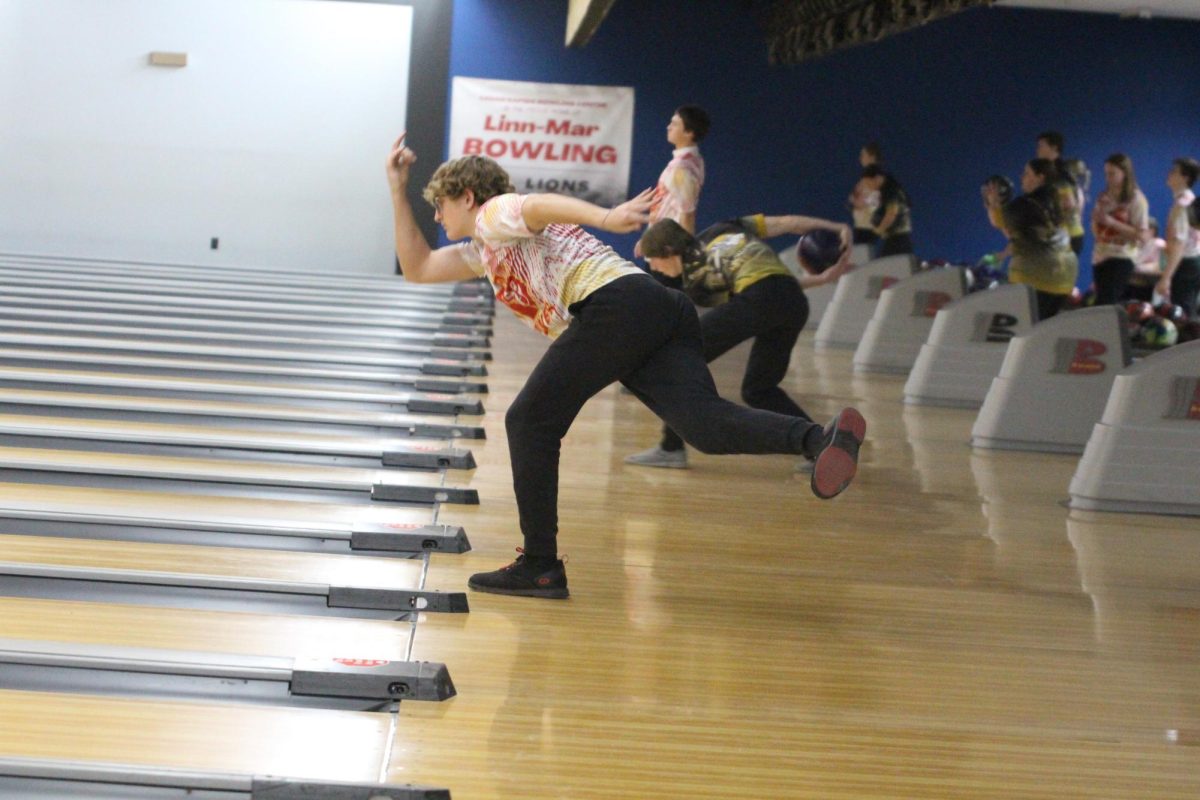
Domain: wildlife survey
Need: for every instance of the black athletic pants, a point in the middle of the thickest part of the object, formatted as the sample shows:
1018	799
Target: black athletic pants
648	337
896	244
865	236
1049	304
772	312
1111	276
1185	285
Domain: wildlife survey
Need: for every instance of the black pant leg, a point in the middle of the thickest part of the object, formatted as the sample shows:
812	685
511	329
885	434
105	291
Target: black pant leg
781	311
1112	276
721	329
1185	285
613	333
1049	304
676	385
896	244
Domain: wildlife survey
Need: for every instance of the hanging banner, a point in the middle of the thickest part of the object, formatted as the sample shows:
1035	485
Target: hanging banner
550	137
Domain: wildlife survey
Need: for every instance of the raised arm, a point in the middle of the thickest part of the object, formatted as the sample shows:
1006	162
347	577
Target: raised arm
540	210
418	262
889	216
799	225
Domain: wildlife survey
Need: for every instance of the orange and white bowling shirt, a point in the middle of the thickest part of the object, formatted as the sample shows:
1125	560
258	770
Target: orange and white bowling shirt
539	275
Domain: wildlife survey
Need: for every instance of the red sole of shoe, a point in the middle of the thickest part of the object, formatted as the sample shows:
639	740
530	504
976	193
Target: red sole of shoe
836	465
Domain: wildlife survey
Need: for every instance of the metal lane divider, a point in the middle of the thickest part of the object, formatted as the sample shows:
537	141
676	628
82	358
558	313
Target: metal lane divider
306	344
152	289
416	447
332	375
259	355
343	322
122	514
148	319
220	476
345	684
254	309
106	390
24	778
196	590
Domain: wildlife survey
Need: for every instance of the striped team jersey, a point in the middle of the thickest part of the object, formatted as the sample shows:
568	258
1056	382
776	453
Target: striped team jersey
678	189
539	275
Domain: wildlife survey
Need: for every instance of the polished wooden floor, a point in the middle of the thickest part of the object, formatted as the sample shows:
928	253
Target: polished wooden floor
946	629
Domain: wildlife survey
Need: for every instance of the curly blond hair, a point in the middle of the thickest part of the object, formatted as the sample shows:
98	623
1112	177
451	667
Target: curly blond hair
483	176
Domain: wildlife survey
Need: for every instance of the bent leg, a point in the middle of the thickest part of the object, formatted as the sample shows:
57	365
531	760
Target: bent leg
614	331
677	386
721	329
781	310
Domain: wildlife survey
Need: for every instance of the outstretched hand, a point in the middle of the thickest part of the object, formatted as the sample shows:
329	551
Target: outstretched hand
398	162
630	215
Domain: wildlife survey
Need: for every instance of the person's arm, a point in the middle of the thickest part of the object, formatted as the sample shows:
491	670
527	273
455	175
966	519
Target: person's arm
889	216
1133	231
810	281
798	225
858	197
1067	200
418	262
1174	250
540	210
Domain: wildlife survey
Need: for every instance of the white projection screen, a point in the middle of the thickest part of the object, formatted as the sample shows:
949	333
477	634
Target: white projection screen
271	140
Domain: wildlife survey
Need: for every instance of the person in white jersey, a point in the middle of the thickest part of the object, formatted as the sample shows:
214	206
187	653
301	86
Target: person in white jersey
677	193
610	321
1181	276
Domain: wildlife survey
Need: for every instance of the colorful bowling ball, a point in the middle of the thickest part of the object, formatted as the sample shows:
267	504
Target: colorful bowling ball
1171	311
1159	332
1139	310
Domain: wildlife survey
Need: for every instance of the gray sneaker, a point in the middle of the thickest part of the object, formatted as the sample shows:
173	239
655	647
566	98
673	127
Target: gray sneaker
657	457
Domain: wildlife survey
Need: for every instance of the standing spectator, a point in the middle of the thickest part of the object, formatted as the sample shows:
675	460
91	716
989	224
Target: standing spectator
1041	252
677	193
864	200
1181	274
1070	198
1119	221
892	221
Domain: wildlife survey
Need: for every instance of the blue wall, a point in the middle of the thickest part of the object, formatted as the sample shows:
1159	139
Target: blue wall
951	102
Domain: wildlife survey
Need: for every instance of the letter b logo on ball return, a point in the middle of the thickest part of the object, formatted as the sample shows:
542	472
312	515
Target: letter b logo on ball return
1079	357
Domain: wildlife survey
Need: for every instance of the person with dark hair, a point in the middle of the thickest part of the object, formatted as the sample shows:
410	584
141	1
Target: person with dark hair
1041	252
1050	147
1181	273
754	295
892	220
677	193
864	200
1073	197
1119	223
610	321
